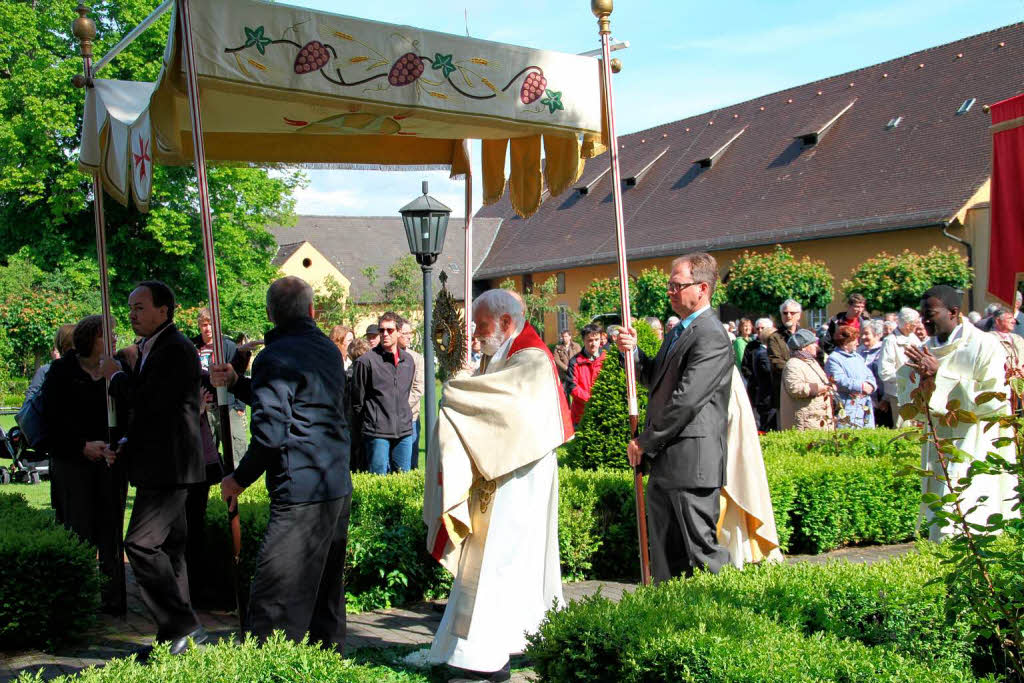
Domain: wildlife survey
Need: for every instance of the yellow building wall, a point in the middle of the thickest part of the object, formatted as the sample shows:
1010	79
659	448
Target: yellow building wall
310	265
841	254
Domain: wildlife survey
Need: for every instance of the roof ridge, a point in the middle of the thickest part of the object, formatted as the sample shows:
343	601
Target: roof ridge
845	74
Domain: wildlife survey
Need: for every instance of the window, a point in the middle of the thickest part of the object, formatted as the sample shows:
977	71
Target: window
563	319
307	262
560	283
816	318
966	106
527	283
893	122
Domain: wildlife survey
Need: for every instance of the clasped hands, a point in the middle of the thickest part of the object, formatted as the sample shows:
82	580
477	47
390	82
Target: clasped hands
99	451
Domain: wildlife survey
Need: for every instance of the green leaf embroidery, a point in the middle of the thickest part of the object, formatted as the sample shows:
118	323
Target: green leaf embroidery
444	63
255	38
553	101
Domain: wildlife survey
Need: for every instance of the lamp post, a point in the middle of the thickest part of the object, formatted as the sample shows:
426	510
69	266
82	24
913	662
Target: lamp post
426	221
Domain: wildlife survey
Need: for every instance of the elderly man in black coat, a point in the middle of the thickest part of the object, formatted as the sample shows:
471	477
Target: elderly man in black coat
163	457
684	440
300	440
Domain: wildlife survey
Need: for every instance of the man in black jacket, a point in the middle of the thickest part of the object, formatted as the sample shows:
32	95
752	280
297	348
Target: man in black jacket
163	456
684	439
300	440
381	381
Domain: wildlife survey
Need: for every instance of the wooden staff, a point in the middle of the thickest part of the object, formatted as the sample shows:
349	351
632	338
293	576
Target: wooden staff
602	9
206	219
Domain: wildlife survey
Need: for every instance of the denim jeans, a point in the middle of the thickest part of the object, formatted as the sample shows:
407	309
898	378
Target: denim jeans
389	455
415	464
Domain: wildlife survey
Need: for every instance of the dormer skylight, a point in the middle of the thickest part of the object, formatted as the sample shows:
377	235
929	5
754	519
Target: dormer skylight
817	132
712	159
632	180
966	106
893	122
587	187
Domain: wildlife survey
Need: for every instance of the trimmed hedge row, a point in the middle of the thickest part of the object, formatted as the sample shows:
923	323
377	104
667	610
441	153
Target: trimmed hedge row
49	582
772	623
821	502
277	661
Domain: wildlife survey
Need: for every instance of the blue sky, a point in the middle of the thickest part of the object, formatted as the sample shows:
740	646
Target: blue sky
684	58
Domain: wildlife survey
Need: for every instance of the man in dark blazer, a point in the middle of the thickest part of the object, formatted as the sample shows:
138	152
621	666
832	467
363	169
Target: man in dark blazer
683	442
163	456
300	440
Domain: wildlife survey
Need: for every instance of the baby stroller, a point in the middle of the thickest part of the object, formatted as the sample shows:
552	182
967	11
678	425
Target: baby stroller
27	466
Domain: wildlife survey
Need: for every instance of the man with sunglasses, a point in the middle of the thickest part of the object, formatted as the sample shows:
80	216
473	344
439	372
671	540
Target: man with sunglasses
684	440
381	381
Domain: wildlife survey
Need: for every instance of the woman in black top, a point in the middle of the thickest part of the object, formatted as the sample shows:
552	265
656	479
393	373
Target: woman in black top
88	488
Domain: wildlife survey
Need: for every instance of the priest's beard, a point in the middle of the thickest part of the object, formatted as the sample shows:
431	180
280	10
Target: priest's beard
490	345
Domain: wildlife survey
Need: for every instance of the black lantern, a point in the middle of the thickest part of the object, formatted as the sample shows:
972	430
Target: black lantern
426	222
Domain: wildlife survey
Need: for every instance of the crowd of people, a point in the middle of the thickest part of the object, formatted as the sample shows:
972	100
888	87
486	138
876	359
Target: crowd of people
322	406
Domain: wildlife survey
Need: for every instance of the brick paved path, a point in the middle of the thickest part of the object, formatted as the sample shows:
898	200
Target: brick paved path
415	625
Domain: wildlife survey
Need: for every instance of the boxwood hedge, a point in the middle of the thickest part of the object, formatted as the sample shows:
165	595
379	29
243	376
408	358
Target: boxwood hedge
772	623
277	661
822	501
49	582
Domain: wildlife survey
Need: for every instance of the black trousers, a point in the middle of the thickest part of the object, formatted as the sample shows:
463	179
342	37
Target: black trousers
155	545
299	585
681	527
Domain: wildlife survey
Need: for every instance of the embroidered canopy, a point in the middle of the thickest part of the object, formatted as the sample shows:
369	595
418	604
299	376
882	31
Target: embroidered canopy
283	84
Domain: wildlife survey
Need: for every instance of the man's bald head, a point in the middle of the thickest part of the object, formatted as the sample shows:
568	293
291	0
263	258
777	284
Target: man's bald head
288	299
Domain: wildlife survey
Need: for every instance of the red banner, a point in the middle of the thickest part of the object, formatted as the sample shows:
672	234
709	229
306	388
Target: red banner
1006	255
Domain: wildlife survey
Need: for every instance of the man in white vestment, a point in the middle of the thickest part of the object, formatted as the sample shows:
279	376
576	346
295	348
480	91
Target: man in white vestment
491	496
960	362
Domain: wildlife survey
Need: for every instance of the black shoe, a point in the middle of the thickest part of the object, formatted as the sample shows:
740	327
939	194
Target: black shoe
198	636
457	674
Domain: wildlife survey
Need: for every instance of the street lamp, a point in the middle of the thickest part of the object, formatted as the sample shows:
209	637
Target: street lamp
426	222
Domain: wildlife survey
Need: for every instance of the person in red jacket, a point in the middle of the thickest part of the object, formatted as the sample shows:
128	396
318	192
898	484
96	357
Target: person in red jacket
583	370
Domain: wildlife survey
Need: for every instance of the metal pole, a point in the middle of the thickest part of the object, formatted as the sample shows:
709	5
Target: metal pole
85	30
467	299
132	35
206	219
602	9
428	351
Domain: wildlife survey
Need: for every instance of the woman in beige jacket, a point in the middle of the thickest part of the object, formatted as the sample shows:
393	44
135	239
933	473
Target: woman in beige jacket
805	401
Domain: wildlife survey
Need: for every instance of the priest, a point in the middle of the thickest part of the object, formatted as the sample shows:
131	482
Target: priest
957	363
491	497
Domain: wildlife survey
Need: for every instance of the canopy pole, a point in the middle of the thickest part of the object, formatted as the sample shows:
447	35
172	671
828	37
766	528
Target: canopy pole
131	36
84	29
467	298
206	219
602	9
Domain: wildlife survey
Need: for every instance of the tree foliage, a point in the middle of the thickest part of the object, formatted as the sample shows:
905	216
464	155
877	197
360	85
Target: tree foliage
648	296
890	282
758	283
537	301
45	199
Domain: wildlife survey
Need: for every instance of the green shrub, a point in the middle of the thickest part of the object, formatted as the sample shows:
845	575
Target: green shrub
49	586
821	502
603	433
774	623
277	661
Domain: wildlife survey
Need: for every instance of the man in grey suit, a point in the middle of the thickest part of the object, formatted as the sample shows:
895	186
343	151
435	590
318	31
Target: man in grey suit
683	442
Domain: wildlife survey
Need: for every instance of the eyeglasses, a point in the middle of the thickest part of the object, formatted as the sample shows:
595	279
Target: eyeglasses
673	287
791	313
388	330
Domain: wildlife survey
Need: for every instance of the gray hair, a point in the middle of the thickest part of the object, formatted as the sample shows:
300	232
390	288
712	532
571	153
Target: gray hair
991	309
974	316
790	302
908	315
1018	297
876	326
652	321
499	302
764	322
673	320
288	299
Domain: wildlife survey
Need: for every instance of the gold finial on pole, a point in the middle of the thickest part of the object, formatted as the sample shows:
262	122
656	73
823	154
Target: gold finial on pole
84	29
602	9
616	66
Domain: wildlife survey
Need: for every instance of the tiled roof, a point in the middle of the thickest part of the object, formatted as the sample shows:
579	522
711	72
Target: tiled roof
352	243
285	252
768	186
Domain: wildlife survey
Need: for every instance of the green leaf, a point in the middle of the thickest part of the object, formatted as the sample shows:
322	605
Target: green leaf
553	100
255	38
444	63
